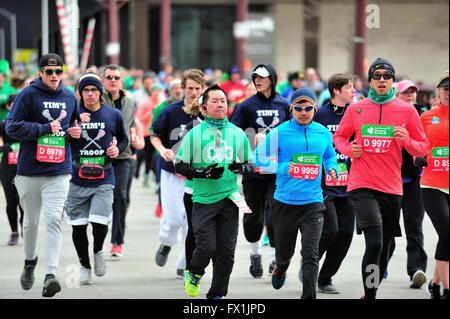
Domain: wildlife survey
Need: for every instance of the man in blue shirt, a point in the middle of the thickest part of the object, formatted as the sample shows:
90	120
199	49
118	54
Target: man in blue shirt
301	146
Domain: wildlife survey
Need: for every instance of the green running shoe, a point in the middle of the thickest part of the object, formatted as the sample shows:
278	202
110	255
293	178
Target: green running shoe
193	284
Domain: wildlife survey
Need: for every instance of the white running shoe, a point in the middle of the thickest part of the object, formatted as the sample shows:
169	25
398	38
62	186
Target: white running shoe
85	276
100	263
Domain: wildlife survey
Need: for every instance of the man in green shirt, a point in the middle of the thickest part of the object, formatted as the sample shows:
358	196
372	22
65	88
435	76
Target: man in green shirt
212	154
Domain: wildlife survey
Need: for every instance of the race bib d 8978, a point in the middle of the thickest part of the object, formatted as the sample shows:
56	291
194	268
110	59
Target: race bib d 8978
306	166
377	138
51	149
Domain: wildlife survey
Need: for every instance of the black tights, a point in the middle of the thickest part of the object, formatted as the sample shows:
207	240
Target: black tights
80	240
375	260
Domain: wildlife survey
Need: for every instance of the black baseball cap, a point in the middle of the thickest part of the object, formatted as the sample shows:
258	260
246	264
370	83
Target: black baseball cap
50	59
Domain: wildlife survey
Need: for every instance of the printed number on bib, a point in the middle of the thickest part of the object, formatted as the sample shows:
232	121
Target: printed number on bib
377	138
306	166
439	159
14	155
51	149
343	176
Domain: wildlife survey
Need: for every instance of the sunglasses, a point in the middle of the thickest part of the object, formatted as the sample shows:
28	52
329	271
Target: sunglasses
386	76
110	77
304	108
49	72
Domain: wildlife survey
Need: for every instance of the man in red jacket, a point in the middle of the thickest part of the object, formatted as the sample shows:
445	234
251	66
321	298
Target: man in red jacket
382	125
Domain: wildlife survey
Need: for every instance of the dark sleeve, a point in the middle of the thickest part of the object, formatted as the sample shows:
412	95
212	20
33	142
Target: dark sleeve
238	117
121	134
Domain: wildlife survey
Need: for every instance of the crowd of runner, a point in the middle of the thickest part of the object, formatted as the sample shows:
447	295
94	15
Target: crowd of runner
317	157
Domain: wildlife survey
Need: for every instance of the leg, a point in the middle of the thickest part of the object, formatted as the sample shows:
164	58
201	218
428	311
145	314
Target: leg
190	238
311	230
121	171
54	195
29	190
227	232
99	232
81	243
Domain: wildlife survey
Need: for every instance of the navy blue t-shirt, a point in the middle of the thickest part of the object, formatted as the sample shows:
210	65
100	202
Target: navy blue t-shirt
29	120
96	136
170	127
330	119
259	115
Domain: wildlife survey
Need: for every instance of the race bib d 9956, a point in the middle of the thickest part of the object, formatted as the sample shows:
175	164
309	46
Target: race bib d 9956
51	149
377	138
306	166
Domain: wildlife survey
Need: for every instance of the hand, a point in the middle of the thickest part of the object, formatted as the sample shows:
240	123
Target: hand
420	162
135	140
6	148
259	137
333	174
213	172
167	154
85	117
356	149
290	168
56	126
401	133
75	130
112	150
236	168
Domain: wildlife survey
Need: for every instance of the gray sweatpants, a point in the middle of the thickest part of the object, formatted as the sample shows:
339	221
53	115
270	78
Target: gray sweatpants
48	193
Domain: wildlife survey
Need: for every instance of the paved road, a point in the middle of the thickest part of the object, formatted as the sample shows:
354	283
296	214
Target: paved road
136	276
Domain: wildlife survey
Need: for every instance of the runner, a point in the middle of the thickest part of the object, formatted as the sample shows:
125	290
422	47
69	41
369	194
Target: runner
40	118
339	219
434	184
116	97
168	130
92	185
301	146
412	204
257	116
382	125
8	170
212	154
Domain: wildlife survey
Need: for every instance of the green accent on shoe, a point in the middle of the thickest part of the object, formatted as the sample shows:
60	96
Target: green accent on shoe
193	284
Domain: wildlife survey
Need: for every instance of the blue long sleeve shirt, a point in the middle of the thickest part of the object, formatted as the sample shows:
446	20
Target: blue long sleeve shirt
287	141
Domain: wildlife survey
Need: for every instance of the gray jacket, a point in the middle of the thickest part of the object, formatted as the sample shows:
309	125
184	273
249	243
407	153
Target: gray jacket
128	111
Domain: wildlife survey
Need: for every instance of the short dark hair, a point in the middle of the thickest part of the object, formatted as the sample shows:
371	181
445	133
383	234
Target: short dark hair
337	81
111	67
214	87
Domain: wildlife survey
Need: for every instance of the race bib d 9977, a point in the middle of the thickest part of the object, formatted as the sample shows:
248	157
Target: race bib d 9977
377	138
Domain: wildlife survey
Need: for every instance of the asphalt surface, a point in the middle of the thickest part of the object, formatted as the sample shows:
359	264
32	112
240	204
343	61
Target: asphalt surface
136	276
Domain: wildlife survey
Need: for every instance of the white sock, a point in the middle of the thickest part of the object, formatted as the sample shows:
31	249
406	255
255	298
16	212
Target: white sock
272	254
255	248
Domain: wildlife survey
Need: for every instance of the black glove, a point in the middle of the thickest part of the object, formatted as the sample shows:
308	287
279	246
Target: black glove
6	148
420	162
241	168
212	172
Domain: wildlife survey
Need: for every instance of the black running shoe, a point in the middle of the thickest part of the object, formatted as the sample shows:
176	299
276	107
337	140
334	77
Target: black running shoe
256	269
434	290
162	255
27	276
51	286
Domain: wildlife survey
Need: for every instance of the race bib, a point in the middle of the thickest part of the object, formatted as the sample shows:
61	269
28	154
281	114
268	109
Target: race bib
14	155
439	159
306	166
377	138
343	176
239	200
51	149
92	160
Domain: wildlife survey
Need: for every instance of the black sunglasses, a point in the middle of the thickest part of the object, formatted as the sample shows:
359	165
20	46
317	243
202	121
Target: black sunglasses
49	72
110	77
386	76
304	108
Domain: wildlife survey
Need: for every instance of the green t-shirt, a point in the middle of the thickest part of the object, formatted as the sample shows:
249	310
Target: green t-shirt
204	146
5	91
